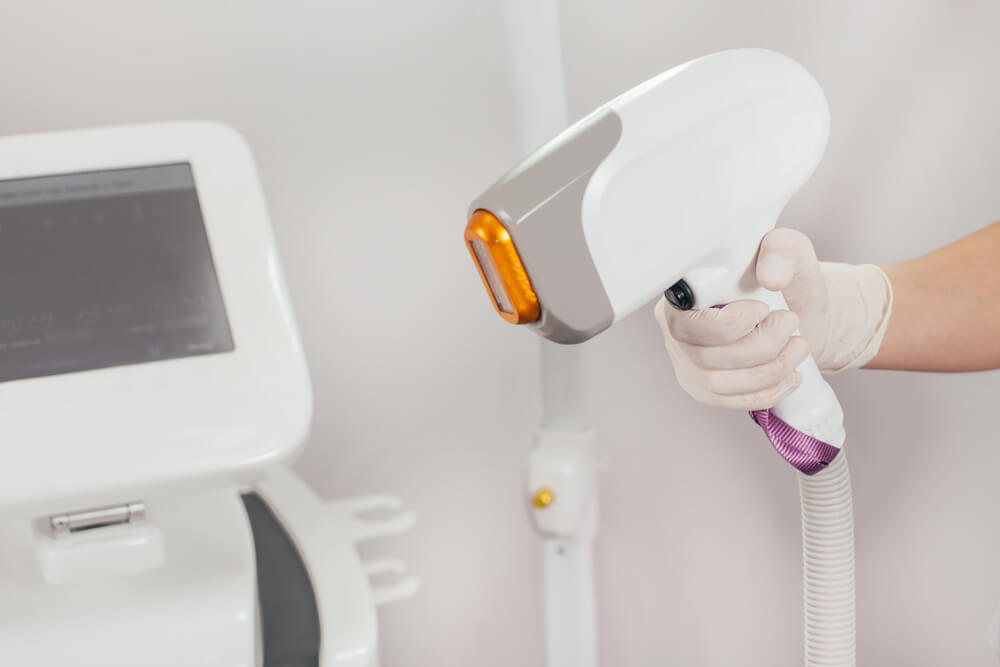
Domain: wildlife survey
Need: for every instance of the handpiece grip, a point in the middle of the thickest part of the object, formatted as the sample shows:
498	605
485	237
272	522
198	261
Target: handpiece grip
813	407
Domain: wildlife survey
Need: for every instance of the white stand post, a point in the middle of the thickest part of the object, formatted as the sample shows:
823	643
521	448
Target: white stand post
562	470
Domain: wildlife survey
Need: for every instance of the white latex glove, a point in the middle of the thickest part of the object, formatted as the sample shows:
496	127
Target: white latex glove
743	357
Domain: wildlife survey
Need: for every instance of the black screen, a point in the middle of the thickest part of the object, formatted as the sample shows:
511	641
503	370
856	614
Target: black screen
104	269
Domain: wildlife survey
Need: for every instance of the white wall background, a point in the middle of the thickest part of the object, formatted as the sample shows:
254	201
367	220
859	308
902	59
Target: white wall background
374	123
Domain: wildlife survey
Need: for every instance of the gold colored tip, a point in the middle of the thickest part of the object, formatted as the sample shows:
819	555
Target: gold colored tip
500	267
543	498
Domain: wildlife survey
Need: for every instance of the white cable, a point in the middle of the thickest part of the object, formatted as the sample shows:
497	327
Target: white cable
563	388
532	31
828	566
570	605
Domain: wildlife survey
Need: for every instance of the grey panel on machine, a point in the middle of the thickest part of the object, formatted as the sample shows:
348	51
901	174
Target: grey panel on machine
289	618
540	202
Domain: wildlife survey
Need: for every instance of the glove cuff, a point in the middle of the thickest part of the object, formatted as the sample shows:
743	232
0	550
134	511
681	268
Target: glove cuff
875	288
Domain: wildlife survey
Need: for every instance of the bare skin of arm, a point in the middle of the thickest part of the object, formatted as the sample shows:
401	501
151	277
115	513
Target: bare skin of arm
946	309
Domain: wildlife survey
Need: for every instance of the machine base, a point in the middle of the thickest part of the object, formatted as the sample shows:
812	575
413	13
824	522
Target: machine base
273	581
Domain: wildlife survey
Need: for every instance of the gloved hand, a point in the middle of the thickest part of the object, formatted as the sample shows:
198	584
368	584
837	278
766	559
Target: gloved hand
743	357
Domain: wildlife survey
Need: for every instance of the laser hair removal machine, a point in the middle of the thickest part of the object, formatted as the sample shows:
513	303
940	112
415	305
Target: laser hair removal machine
668	189
153	390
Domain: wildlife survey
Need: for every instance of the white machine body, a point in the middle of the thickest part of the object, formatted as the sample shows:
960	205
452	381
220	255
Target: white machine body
109	435
150	373
676	180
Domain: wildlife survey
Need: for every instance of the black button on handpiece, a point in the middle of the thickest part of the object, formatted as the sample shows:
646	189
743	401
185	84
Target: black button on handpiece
680	295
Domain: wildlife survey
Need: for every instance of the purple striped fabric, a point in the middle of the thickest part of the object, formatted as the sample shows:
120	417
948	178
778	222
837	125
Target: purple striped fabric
806	454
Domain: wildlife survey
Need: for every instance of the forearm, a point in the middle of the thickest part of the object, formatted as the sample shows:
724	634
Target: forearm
946	308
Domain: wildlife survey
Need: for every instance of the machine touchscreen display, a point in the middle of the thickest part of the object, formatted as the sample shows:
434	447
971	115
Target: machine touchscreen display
105	268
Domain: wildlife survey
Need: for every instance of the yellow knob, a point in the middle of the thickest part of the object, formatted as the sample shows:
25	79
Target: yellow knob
543	498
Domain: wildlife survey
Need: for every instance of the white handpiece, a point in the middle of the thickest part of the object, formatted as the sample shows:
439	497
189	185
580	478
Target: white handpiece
670	188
